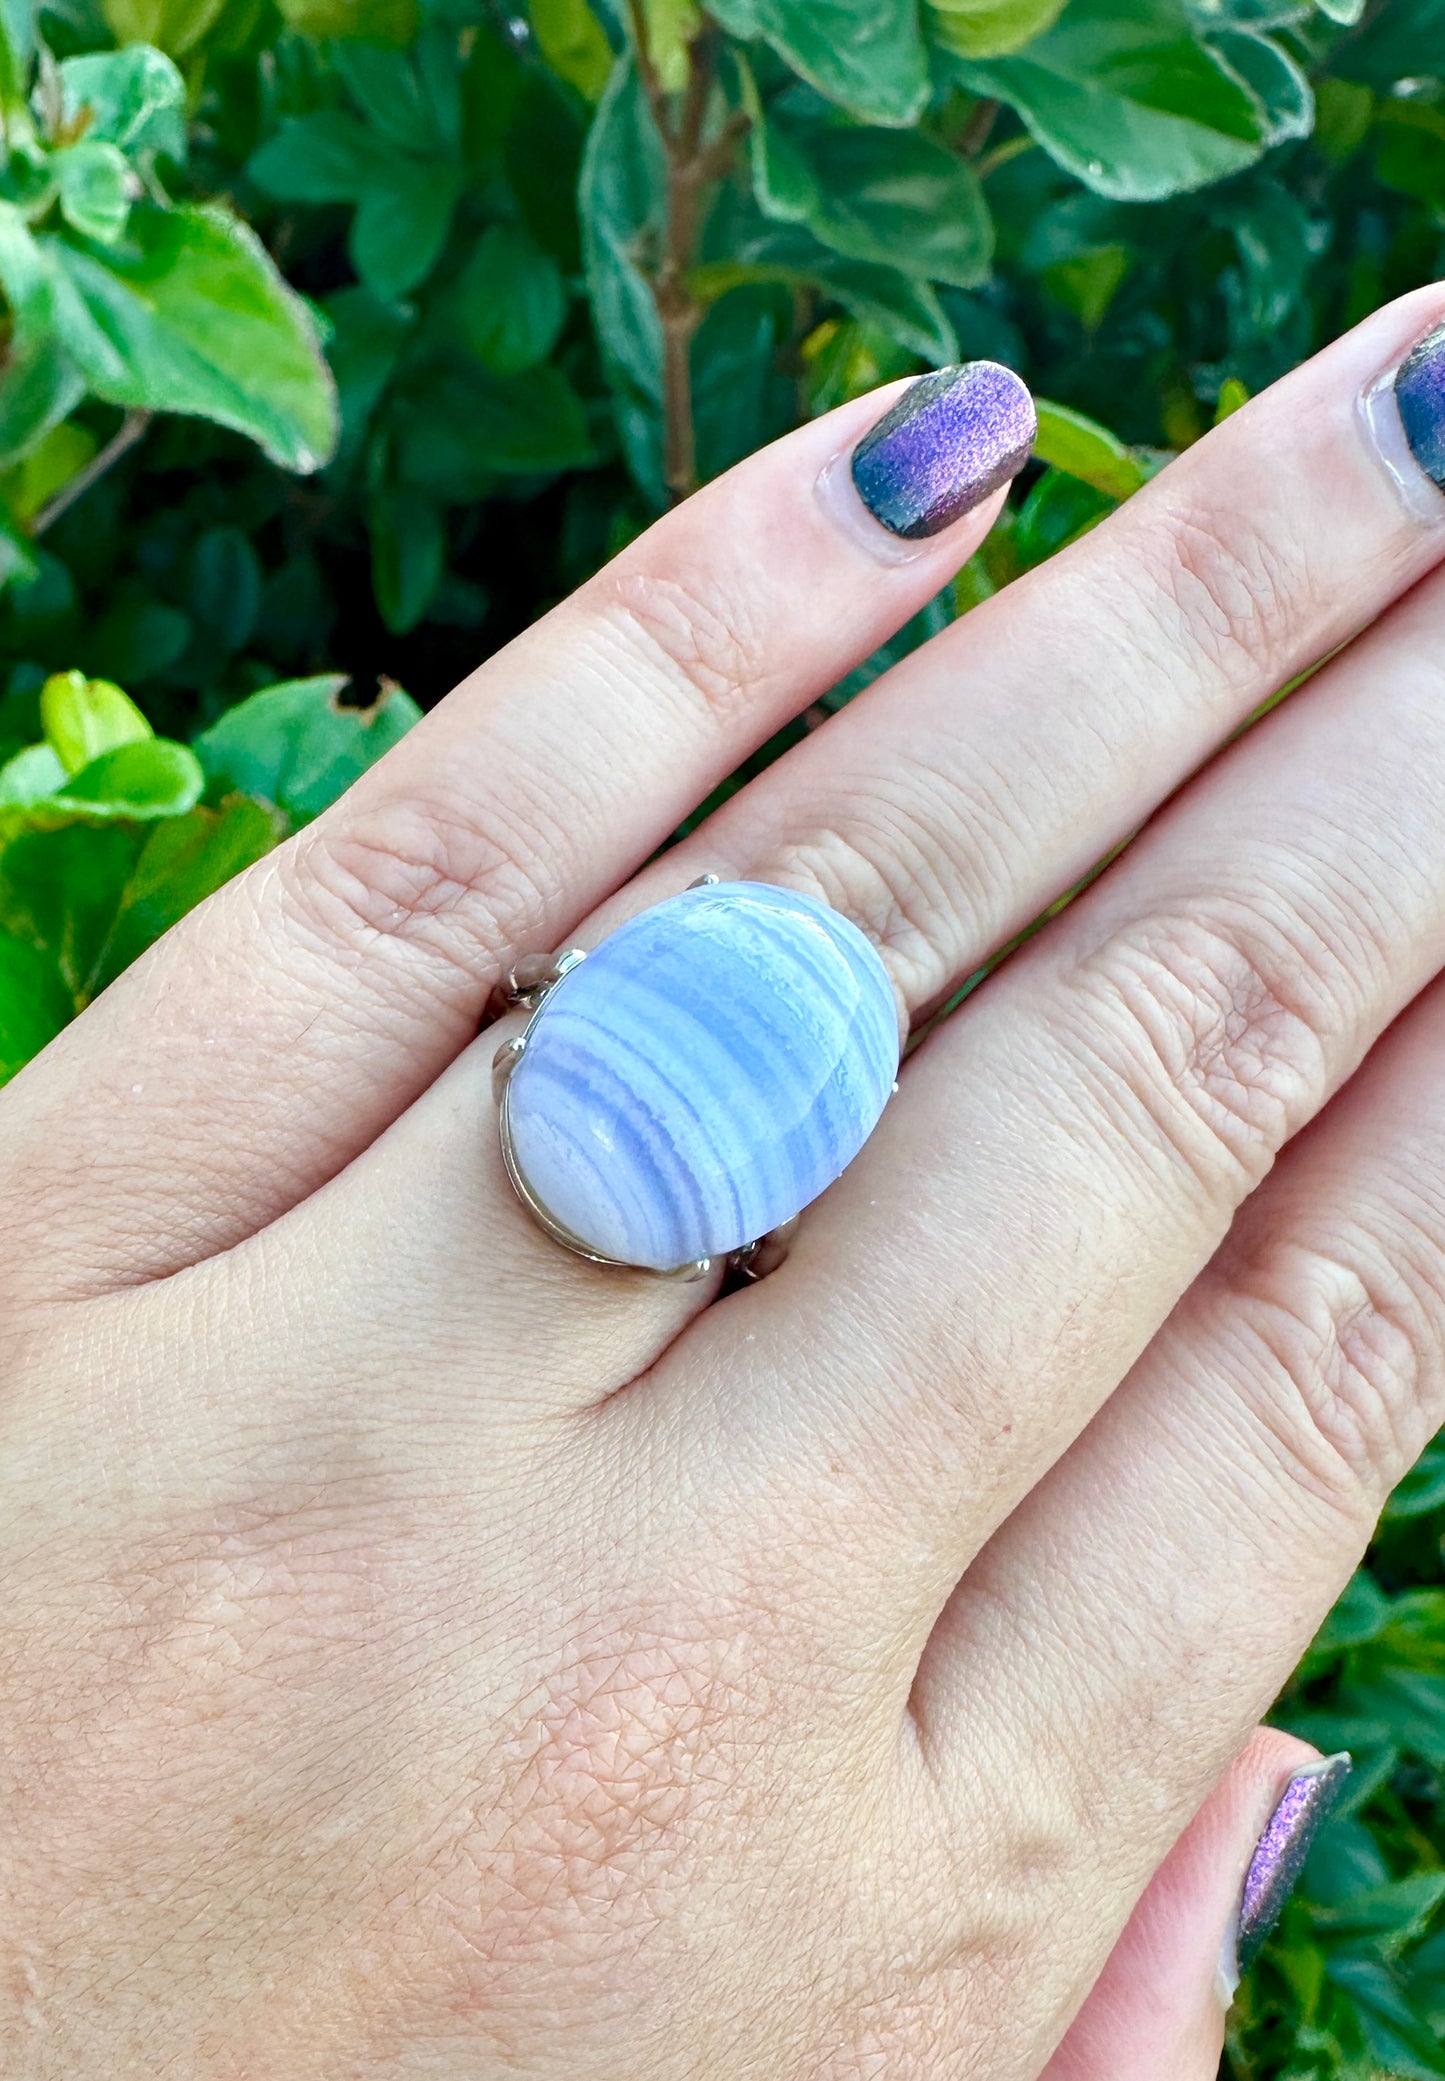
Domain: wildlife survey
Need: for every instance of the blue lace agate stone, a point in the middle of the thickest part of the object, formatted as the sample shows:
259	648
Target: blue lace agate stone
707	1071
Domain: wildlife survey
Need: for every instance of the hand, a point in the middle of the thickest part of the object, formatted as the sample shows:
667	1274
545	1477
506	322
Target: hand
426	1653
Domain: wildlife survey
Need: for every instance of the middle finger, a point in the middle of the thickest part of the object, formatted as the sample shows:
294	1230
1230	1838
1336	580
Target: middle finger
1067	1153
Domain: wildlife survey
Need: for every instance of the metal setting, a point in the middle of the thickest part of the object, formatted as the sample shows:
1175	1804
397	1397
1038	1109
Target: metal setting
530	978
527	986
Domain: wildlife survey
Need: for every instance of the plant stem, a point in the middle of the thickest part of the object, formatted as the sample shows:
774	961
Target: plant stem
975	131
693	164
1011	148
121	441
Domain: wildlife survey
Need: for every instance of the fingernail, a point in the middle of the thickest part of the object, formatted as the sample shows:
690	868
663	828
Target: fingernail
952	438
1304	1806
1405	411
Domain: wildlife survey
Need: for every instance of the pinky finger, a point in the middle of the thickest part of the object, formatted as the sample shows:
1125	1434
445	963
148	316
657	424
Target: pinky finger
1158	2008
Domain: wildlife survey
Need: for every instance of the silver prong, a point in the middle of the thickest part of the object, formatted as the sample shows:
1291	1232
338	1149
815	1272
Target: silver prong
531	977
706	881
755	1260
689	1274
504	1062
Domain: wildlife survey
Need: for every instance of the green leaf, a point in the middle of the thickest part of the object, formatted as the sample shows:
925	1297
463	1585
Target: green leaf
1361	1613
1391	1915
1086	450
17	47
386	87
225	588
741	394
368	334
866	55
190	315
140	638
294	745
889	196
182	861
991	28
1423	1488
40	383
574	43
82	718
621	196
31	776
509	301
453	424
34	1002
93	895
1411	155
402	220
876	295
324	157
1272	76
136	99
408	555
1058	509
40	386
1402	2042
96	186
18	564
138	780
1121	95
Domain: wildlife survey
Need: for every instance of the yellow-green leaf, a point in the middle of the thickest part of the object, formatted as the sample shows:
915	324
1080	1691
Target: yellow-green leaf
172	26
84	717
991	28
574	43
671	27
47	469
1084	449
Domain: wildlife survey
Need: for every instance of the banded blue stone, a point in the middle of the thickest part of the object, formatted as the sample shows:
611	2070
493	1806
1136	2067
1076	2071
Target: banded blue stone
704	1074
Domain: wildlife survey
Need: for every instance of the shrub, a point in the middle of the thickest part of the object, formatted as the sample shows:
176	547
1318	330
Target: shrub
343	335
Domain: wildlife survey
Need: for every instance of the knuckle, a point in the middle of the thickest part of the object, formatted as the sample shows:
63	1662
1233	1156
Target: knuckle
926	906
421	871
1346	1366
1215	581
1206	1034
711	648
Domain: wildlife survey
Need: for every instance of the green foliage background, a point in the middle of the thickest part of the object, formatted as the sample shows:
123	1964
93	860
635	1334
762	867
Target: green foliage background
342	336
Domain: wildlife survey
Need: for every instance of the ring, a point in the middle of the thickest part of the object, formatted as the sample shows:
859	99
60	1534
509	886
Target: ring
682	1092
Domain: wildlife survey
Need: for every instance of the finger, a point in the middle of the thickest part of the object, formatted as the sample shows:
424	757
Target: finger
1218	1504
950	803
1068	1152
1157	2011
277	1030
1065	706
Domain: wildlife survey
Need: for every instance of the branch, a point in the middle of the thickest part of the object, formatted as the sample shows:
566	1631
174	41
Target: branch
121	441
692	166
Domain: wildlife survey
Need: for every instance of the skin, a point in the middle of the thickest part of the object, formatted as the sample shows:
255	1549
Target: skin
425	1654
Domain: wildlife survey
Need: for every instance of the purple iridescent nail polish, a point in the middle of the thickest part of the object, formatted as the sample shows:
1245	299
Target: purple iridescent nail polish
952	438
1420	395
1306	1803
